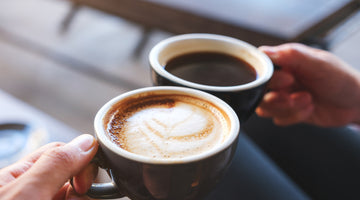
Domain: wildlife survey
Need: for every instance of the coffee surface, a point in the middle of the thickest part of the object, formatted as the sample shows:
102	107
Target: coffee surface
211	68
167	126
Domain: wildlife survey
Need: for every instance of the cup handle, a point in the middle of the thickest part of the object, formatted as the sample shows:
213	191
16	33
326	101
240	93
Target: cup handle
104	190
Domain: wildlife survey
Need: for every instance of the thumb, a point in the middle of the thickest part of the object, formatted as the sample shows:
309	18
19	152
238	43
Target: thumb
290	55
57	165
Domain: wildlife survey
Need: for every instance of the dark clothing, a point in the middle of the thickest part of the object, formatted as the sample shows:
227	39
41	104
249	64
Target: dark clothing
294	162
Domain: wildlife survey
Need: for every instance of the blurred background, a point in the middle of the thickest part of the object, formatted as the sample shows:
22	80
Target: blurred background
68	64
66	58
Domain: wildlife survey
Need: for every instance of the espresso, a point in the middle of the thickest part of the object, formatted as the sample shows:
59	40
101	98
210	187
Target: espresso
211	68
167	126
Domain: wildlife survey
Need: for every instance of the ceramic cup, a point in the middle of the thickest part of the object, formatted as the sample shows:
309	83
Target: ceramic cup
139	177
242	98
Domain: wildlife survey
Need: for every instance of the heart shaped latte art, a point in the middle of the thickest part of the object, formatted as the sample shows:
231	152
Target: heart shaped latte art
181	130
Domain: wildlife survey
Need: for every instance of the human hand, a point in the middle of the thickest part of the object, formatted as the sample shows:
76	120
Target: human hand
313	86
45	173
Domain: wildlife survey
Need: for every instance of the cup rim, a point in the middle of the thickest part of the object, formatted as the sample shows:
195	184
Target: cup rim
155	65
102	136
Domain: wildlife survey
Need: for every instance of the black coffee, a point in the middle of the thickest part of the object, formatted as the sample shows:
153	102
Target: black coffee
211	68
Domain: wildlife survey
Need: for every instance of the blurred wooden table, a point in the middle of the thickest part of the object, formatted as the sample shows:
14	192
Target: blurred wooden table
14	110
258	22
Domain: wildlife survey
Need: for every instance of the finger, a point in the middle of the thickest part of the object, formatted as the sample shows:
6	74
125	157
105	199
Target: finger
272	103
273	112
57	165
301	99
36	155
289	56
274	98
61	194
13	171
82	181
71	194
281	80
283	105
272	52
299	110
294	117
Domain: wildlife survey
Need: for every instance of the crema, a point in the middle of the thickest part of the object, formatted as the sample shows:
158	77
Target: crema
167	126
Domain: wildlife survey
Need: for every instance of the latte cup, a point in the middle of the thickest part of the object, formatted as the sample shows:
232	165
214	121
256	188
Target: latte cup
154	163
244	97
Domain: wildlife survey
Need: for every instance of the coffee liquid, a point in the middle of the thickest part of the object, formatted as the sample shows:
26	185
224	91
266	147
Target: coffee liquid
211	68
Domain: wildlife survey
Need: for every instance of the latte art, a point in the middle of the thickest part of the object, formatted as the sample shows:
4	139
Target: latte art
173	126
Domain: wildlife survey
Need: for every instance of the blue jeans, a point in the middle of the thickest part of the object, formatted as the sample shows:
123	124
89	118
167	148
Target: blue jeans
294	162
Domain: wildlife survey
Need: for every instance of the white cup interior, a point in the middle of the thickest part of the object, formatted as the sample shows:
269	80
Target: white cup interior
189	43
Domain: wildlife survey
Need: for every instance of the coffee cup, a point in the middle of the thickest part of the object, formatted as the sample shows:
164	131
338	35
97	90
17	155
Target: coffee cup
228	68
164	143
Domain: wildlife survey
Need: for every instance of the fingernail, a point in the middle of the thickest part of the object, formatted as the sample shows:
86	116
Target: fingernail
84	142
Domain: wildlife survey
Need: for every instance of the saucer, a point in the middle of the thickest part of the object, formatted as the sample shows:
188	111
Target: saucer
18	139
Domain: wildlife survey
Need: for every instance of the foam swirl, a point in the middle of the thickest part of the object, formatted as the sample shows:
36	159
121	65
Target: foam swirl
176	127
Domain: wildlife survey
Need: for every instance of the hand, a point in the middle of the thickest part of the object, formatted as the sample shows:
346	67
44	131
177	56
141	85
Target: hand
45	173
313	86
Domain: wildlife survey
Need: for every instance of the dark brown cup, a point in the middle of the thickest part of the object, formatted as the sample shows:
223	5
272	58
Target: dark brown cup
242	98
139	177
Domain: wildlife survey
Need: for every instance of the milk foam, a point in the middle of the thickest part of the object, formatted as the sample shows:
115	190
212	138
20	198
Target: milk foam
184	128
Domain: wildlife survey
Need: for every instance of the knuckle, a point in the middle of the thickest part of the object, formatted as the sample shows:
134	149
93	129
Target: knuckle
52	145
296	49
55	144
